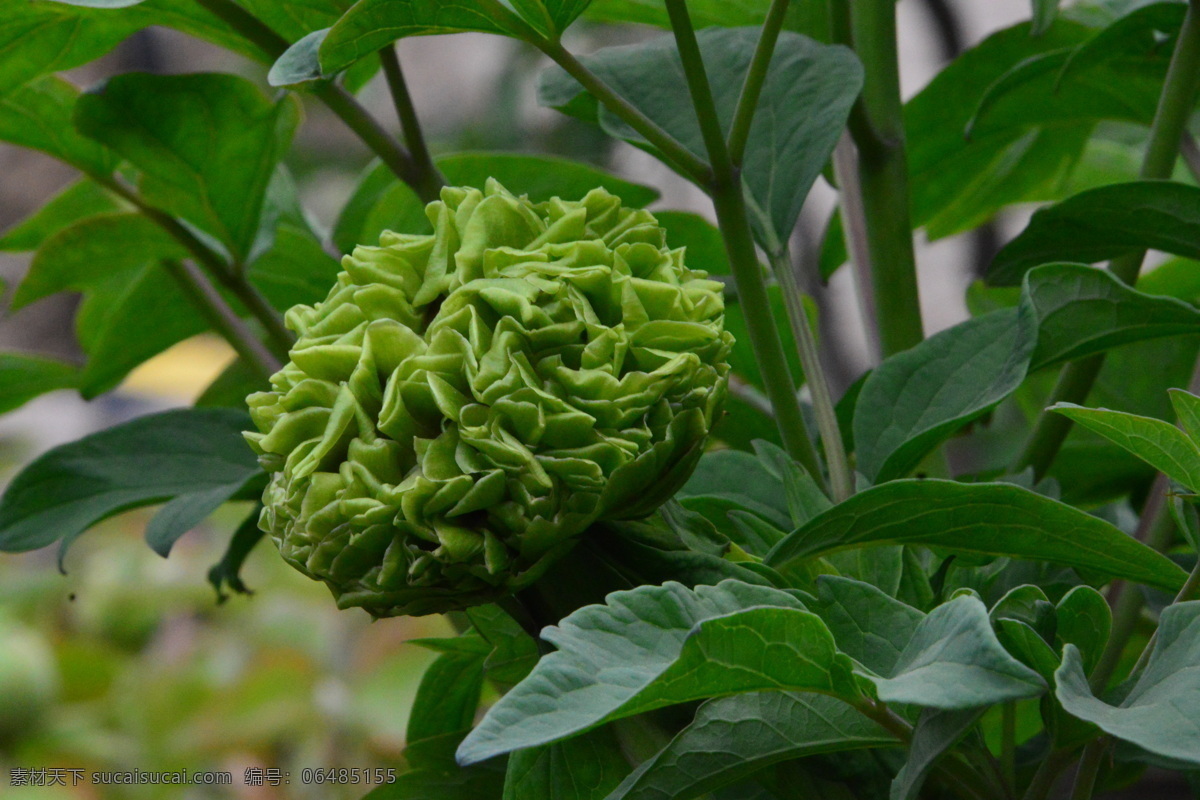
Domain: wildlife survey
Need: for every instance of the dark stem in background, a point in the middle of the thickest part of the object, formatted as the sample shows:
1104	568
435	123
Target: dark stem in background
1174	106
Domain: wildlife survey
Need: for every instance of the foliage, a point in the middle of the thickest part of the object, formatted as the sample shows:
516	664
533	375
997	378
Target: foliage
510	409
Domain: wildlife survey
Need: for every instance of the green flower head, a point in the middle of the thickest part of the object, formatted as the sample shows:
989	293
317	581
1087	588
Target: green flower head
463	405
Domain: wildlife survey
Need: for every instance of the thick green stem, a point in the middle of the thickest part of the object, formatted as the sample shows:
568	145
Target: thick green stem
336	99
1175	104
672	150
428	181
730	205
222	318
878	131
756	76
841	480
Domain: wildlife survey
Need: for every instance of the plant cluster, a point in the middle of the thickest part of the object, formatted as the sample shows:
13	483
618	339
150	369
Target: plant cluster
604	440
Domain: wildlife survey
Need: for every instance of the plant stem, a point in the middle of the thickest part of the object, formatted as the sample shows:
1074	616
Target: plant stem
841	480
1089	768
429	180
1047	775
222	318
756	76
730	204
854	229
672	150
279	337
339	101
878	131
1176	102
1008	746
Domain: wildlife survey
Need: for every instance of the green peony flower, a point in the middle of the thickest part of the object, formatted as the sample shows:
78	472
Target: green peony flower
463	405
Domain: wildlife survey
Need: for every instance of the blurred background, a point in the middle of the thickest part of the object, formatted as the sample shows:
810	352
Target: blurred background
128	661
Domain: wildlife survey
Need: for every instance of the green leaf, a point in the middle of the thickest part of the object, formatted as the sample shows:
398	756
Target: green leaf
186	511
811	19
381	202
954	661
444	708
1105	223
732	738
868	625
959	183
661	645
1159	713
295	20
1085	621
703	240
482	782
132	309
298	64
1160	444
733	480
206	144
1044	14
1187	409
78	201
1027	646
40	37
1082	311
146	461
372	24
917	398
296	269
995	519
806	99
1148	29
227	571
514	652
39	116
585	767
24	377
936	732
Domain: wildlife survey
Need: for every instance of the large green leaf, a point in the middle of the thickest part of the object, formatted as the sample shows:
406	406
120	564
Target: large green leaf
954	661
868	625
917	398
514	652
585	767
1084	619
132	308
206	144
24	377
41	37
655	646
1081	311
1159	713
39	116
995	519
1158	443
149	460
1105	223
958	182
78	201
372	24
382	202
731	738
445	705
805	101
